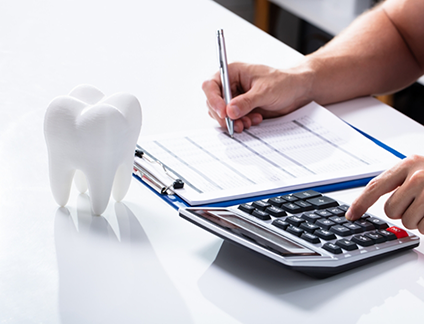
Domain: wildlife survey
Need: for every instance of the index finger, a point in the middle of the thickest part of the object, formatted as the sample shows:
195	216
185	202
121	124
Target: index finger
212	90
380	185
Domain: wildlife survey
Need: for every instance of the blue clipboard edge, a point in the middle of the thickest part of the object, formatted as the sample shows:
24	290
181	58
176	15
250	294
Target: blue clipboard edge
176	202
379	143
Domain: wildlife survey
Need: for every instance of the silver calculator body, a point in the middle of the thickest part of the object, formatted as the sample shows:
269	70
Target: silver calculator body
311	239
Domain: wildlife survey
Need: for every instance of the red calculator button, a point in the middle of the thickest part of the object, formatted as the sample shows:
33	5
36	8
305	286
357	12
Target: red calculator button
400	233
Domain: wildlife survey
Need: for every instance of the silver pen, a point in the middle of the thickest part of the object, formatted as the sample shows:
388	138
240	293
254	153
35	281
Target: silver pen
223	68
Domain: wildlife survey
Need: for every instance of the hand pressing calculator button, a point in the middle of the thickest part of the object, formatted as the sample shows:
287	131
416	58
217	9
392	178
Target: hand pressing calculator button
306	231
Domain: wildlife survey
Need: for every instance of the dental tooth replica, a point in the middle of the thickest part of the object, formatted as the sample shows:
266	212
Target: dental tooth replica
93	138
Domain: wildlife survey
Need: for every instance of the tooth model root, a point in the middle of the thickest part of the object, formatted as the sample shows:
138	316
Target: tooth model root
60	182
122	180
92	138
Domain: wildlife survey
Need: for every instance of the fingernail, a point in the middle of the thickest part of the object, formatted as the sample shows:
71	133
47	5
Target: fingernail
348	215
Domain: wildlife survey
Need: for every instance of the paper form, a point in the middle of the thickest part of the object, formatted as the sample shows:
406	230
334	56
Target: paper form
309	147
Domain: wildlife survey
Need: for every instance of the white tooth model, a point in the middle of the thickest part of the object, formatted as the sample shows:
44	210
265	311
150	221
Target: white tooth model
92	137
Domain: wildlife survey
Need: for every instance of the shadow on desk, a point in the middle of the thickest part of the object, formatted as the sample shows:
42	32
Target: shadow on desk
254	289
108	271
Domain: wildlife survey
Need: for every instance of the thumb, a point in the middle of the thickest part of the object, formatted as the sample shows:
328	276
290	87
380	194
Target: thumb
242	105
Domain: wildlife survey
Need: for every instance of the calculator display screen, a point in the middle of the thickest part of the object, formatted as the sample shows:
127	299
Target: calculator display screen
253	232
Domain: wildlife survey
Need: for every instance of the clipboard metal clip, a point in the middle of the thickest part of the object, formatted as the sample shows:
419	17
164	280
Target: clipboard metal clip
152	180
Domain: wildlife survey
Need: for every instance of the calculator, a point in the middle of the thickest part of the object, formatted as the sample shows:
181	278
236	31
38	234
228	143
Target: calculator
306	231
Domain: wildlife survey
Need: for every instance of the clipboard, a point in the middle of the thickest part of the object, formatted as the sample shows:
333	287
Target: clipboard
166	190
149	178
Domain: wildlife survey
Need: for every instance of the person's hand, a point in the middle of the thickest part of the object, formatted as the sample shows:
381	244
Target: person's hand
258	92
406	202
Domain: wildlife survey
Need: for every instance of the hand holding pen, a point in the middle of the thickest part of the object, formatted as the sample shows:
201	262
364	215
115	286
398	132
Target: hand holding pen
258	92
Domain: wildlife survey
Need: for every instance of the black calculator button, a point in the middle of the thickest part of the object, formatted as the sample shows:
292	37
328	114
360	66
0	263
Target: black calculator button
388	235
356	229
261	205
323	202
289	198
341	230
378	223
310	237
277	201
261	214
376	237
309	227
344	207
338	219
346	245
305	205
295	220
323	213
336	211
362	240
247	208
365	216
325	235
310	217
366	226
280	224
325	223
294	230
307	194
275	211
292	208
333	248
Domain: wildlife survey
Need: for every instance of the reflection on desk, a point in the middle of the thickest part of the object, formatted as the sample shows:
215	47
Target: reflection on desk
246	284
107	263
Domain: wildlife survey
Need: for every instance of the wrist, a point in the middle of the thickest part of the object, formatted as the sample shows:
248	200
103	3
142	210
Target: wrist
303	80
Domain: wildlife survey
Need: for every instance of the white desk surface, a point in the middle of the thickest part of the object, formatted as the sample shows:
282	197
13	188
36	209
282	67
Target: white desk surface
141	262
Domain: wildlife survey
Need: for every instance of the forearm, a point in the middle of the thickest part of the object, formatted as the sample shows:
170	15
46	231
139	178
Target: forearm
369	57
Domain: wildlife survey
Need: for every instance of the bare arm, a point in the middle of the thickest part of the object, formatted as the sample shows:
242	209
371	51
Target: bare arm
381	52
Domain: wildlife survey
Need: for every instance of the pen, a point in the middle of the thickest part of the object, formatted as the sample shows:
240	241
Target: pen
223	68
